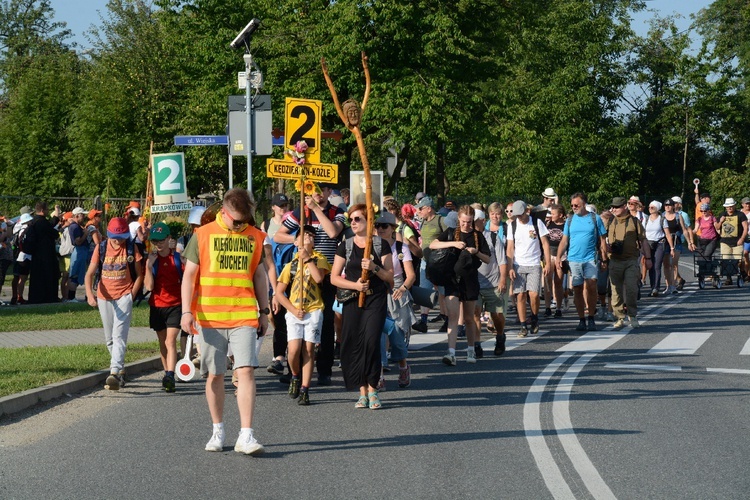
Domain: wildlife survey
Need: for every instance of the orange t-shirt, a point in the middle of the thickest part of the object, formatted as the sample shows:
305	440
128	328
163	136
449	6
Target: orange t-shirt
115	280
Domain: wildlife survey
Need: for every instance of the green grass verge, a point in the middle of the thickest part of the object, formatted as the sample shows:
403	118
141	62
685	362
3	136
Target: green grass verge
71	316
30	367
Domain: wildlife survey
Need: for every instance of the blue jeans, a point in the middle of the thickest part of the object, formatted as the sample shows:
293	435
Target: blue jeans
398	344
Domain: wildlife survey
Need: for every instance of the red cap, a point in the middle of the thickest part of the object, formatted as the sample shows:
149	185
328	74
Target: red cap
67	215
93	213
118	228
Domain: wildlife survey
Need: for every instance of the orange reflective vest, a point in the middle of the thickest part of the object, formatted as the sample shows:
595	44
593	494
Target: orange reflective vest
225	292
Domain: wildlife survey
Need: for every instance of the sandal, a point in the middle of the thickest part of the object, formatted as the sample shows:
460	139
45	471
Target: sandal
374	400
361	402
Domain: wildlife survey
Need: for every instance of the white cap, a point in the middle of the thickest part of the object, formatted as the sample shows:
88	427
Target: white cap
479	214
78	211
677	199
195	215
134	211
656	204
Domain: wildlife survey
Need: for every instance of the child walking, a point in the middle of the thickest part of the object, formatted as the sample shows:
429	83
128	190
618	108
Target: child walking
304	320
163	278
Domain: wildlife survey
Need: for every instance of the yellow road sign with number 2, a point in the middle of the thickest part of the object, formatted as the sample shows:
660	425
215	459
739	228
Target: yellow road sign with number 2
302	123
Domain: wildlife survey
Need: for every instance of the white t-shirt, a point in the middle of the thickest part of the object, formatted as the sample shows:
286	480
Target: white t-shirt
397	268
133	226
527	250
654	230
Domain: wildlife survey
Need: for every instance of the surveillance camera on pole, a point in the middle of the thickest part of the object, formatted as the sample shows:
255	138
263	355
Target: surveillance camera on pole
245	34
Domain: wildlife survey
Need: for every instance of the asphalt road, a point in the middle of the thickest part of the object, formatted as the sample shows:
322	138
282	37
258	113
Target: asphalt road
659	412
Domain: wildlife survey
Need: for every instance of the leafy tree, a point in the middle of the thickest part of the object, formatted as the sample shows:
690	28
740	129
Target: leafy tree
130	96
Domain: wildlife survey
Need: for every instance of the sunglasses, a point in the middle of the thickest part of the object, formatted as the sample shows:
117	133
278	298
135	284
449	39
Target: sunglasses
574	205
382	226
236	224
631	203
508	211
358	219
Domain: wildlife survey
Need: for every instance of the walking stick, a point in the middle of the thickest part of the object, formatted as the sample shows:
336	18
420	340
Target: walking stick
351	115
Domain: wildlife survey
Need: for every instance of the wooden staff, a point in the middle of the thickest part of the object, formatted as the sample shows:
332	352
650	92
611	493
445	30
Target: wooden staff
300	264
352	119
149	183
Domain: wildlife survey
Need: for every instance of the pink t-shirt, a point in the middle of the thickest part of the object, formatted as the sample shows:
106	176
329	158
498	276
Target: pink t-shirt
707	228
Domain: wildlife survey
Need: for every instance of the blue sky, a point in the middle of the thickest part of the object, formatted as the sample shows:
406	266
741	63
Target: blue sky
81	14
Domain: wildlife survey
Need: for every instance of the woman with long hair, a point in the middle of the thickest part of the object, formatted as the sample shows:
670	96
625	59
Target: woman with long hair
361	327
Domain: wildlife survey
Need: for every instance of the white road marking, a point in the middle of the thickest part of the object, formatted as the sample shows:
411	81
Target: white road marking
680	343
629	366
734	371
595	341
566	433
421	340
532	424
553	478
746	350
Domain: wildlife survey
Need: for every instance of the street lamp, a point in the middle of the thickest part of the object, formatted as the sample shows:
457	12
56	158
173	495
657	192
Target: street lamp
254	80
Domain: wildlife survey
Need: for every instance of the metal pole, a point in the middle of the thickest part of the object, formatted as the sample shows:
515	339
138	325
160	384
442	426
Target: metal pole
231	171
249	110
424	177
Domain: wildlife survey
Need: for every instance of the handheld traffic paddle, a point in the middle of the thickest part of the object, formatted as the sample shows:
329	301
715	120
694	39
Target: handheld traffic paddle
185	370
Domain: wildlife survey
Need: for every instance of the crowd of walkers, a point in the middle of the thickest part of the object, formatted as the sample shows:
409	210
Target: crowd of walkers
331	293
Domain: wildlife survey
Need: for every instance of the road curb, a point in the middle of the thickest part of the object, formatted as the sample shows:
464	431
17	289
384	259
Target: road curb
23	400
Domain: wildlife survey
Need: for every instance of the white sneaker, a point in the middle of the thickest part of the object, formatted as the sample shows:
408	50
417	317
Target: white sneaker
619	324
471	356
247	444
634	322
216	443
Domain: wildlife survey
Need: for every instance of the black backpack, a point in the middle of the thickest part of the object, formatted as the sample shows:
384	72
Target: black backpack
27	240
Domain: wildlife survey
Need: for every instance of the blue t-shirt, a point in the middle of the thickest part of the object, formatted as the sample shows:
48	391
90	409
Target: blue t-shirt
76	232
583	237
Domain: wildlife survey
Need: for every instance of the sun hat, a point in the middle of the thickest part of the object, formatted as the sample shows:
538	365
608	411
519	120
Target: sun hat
729	202
160	231
519	208
549	193
634	198
118	229
745	200
25	218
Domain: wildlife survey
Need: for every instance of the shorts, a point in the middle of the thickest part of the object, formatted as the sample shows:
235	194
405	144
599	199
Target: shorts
746	246
215	344
22	268
528	279
307	328
64	263
491	300
465	290
161	318
731	252
580	271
